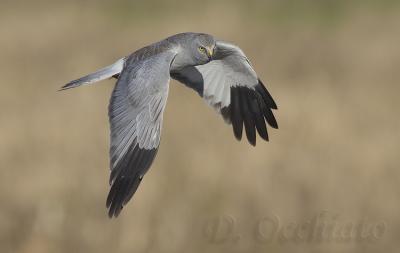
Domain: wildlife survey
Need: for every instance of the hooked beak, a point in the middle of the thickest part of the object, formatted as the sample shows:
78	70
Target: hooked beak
210	52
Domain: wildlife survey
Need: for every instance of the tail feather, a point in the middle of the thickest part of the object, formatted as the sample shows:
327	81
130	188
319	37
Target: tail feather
110	71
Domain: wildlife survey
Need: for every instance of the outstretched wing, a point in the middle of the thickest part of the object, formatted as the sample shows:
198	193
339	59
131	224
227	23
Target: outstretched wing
135	114
230	85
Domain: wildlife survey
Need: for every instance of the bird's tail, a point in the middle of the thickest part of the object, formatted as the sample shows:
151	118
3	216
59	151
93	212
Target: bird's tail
110	71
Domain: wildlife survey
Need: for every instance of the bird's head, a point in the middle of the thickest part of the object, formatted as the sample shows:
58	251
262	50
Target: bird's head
194	49
202	48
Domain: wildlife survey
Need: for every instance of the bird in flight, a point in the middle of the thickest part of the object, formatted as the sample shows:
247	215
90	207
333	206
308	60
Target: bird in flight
218	71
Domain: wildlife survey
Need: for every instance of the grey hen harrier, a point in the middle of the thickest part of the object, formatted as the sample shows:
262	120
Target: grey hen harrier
217	70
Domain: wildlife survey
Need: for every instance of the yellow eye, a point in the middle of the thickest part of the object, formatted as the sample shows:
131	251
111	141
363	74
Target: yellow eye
202	49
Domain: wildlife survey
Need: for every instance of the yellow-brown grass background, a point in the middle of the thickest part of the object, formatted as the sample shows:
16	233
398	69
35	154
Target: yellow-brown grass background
332	66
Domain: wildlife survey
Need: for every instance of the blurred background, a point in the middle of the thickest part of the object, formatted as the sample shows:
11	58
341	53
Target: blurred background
332	67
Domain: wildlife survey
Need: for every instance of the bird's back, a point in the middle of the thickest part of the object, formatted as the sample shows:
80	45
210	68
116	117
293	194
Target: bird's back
149	51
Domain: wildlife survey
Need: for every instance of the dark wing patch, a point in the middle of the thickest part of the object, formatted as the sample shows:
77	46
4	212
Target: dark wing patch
191	77
236	113
251	107
269	101
126	177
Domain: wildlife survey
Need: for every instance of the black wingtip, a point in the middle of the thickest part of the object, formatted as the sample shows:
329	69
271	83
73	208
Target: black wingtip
266	95
236	114
248	117
269	116
252	108
252	142
116	196
126	177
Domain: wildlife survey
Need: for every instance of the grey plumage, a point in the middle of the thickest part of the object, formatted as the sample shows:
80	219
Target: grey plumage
101	74
217	70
